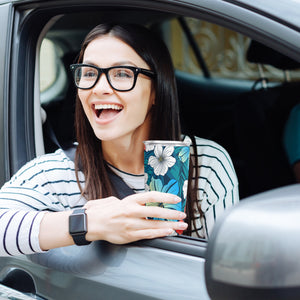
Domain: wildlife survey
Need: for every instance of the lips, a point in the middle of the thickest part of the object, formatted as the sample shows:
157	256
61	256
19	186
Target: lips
106	112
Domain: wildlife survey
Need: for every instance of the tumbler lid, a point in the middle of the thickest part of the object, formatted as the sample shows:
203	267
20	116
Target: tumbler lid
166	143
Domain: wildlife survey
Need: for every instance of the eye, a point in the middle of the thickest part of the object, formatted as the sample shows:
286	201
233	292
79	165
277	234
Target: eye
89	73
122	73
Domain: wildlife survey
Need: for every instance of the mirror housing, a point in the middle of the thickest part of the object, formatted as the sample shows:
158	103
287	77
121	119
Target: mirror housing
254	249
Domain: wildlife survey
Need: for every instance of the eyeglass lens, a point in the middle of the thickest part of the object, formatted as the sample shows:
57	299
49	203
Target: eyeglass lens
120	78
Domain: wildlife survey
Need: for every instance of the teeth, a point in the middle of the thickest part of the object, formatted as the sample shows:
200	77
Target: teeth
108	106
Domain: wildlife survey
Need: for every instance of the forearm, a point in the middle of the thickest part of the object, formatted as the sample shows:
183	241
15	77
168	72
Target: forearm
108	219
54	230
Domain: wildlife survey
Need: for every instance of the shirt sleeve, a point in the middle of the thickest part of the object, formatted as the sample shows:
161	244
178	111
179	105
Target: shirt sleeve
21	210
19	231
37	187
217	184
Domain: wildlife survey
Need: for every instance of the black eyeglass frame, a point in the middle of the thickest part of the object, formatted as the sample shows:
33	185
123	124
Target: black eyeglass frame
136	72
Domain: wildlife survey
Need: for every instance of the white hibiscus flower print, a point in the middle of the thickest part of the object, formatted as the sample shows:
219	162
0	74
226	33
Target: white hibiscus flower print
185	187
163	159
149	147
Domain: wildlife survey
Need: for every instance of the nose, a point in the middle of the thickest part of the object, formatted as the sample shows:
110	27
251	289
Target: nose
102	86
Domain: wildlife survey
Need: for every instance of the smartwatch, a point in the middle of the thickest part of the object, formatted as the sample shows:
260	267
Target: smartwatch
78	226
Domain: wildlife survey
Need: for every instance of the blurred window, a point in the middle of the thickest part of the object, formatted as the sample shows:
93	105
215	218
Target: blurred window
223	50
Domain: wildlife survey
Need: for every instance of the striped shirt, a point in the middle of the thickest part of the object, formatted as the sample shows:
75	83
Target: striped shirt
48	183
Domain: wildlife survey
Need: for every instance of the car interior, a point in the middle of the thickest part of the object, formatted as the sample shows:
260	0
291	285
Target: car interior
232	89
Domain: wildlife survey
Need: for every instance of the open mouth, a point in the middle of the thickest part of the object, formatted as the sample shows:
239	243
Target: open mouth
107	111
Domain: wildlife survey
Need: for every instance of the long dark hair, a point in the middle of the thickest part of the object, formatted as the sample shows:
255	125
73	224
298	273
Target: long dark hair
165	123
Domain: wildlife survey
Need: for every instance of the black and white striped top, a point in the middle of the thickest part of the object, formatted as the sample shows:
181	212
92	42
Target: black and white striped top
48	183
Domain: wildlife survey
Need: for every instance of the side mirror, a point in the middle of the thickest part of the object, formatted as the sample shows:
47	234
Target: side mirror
254	250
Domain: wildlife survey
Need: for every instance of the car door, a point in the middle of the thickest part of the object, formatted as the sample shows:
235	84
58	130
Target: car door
169	268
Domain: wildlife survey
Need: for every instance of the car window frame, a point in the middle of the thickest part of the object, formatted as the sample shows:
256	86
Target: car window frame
33	145
6	29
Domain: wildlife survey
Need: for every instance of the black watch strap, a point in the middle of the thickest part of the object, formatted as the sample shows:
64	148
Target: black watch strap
78	226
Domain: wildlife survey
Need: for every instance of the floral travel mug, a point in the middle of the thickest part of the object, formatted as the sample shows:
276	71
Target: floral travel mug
166	165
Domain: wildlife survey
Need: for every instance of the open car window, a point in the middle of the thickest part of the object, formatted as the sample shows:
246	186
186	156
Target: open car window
214	77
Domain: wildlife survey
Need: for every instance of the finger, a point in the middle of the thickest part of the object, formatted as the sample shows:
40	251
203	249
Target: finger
139	211
154	196
156	224
163	213
151	233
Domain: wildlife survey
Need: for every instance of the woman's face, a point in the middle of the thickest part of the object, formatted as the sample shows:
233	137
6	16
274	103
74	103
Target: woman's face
114	114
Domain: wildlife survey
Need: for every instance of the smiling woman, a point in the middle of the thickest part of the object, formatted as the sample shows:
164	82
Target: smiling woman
113	56
126	94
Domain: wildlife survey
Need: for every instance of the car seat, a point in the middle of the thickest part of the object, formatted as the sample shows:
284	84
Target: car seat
58	129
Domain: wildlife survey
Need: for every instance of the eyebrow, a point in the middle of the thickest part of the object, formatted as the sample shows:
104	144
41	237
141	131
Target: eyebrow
119	63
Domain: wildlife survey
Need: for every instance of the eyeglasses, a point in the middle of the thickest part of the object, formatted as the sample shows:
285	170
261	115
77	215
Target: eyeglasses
120	78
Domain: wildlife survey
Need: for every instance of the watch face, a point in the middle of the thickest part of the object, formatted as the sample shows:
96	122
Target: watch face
77	224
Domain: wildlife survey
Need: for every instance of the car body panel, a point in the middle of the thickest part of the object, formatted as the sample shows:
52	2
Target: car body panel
277	11
5	34
109	270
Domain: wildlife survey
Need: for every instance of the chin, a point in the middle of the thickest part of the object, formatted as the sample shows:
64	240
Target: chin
106	136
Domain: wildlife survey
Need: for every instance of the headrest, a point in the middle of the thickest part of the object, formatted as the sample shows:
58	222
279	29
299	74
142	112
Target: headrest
261	54
43	115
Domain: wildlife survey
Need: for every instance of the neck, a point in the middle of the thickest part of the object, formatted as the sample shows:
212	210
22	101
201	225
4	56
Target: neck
125	154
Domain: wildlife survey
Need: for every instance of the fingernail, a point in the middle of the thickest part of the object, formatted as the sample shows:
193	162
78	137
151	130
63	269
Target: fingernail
182	225
177	199
169	231
172	233
182	215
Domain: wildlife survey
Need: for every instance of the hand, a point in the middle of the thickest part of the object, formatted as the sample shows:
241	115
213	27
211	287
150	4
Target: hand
124	221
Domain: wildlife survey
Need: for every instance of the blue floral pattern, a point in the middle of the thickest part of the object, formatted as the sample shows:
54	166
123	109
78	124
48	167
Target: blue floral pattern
166	170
